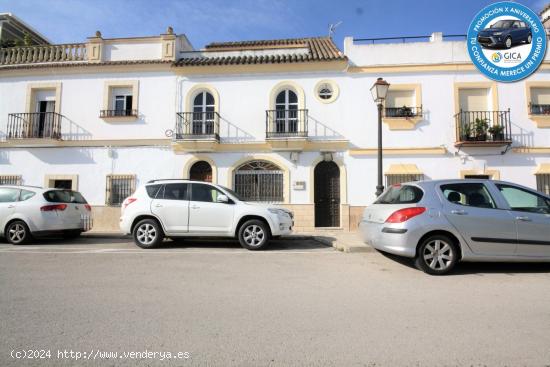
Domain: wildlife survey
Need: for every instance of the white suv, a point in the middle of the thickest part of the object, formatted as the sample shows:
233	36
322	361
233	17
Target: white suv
183	208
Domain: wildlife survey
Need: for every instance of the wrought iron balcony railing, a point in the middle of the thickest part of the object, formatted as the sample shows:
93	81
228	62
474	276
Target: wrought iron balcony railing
483	127
43	53
539	109
197	126
286	123
117	113
36	125
405	112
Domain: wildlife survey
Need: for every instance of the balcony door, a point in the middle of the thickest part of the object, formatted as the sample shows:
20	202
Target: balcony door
203	114
42	122
286	112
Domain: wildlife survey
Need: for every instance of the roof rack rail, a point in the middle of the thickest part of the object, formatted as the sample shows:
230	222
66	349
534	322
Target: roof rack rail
168	179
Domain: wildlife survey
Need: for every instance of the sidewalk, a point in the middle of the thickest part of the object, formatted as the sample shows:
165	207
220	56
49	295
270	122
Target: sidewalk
341	241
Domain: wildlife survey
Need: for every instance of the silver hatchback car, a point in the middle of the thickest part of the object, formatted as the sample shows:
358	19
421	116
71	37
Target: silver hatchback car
439	223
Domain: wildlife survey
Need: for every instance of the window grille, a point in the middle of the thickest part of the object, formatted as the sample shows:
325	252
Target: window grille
259	181
397	179
543	183
119	187
10	180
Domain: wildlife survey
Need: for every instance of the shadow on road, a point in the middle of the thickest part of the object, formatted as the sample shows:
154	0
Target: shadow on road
481	268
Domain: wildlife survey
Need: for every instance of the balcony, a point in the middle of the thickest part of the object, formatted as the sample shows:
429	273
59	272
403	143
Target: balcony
539	109
286	129
117	113
483	128
197	131
37	126
43	54
403	112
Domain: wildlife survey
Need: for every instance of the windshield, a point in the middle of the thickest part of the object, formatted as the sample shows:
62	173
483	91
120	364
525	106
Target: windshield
400	194
64	196
503	24
232	193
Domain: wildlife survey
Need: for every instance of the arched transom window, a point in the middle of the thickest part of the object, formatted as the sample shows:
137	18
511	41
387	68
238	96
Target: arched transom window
259	181
203	114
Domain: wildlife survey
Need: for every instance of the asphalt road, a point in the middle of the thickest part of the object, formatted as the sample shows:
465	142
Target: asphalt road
299	303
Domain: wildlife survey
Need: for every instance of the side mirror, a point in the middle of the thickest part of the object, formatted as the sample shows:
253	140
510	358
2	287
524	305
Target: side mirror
222	199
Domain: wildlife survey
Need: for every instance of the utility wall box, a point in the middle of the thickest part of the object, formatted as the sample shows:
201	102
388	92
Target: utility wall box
299	185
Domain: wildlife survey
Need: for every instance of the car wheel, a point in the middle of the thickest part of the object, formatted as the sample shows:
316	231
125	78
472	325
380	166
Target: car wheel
529	39
508	42
437	255
253	234
148	234
18	233
69	235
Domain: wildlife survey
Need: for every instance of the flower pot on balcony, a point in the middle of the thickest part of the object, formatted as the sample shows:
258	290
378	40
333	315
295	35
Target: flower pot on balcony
481	137
498	137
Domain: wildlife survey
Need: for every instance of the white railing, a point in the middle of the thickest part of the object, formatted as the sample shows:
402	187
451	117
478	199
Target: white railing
46	53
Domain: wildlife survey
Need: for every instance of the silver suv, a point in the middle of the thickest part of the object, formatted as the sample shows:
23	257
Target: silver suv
439	223
182	208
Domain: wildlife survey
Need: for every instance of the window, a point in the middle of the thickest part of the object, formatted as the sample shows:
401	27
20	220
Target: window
259	181
122	101
286	112
201	171
119	187
468	194
401	194
26	195
326	91
175	191
64	196
9	195
540	101
63	184
398	179
401	103
205	193
543	183
152	190
10	180
203	114
524	201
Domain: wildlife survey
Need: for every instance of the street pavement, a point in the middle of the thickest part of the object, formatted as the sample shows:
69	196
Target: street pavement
299	303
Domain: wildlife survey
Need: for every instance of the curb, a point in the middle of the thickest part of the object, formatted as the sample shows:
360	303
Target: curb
341	246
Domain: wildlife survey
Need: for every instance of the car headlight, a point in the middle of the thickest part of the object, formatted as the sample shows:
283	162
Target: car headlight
280	212
497	33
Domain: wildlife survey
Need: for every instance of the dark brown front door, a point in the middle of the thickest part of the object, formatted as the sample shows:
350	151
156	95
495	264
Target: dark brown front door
201	171
327	195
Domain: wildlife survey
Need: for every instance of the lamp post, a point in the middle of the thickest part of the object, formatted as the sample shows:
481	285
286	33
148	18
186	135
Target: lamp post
379	91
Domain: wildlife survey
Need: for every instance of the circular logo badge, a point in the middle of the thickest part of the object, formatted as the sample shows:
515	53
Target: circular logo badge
506	41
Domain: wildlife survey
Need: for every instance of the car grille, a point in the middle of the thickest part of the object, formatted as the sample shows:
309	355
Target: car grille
484	40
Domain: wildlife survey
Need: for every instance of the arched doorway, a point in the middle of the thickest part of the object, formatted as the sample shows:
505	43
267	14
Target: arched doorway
327	194
201	171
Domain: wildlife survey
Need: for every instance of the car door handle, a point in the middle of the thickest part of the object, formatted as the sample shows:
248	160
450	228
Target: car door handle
195	207
524	219
11	206
459	212
158	206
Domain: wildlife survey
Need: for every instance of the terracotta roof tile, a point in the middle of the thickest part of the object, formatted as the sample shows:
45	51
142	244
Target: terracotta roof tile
319	49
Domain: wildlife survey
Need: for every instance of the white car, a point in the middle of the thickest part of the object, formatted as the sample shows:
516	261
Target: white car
28	211
184	208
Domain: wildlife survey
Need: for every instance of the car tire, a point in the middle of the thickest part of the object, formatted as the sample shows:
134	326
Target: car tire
18	233
70	235
529	39
508	42
148	234
253	234
437	255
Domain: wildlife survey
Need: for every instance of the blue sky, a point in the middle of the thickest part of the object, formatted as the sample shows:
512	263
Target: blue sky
205	21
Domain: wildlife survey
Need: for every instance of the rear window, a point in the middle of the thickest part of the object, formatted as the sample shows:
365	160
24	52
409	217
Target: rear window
400	194
152	190
64	196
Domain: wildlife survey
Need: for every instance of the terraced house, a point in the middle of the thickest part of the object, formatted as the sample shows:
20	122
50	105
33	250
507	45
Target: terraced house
290	121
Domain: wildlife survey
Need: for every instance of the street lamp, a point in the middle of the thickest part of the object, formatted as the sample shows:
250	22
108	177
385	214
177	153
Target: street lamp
379	91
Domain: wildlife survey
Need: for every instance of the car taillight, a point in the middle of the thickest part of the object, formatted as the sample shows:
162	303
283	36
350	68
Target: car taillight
403	215
127	202
88	207
49	208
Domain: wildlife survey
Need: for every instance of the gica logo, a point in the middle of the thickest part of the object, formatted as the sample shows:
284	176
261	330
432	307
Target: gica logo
506	41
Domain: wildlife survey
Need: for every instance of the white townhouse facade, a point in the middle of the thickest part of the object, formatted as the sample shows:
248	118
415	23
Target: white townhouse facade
288	121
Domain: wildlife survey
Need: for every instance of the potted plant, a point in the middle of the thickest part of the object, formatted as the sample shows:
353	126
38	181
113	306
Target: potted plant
405	111
480	129
467	132
497	131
